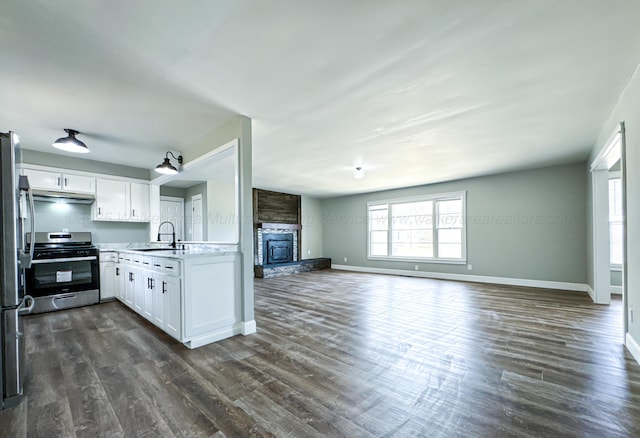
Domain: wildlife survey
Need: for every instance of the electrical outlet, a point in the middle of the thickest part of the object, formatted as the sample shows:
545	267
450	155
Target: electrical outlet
630	315
345	260
416	267
469	267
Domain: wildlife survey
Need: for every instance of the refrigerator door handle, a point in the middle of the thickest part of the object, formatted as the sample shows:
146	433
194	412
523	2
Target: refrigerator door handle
26	306
24	185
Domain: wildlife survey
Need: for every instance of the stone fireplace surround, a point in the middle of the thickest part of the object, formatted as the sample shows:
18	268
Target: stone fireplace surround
274	229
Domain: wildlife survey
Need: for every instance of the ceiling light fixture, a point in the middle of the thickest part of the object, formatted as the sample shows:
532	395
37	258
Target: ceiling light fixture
70	143
166	167
358	173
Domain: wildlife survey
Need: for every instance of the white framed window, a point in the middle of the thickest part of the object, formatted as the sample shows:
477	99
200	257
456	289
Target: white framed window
615	220
425	228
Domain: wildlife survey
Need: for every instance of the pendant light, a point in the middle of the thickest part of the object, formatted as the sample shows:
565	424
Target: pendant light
166	167
70	143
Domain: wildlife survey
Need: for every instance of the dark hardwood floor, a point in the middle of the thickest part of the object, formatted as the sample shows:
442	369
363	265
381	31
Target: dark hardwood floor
341	354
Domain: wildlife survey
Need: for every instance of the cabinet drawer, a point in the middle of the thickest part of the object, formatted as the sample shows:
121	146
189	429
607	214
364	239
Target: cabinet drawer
147	262
167	266
108	256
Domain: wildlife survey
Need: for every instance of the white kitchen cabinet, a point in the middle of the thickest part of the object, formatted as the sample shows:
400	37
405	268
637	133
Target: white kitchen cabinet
119	281
121	201
196	300
112	201
138	284
211	301
172	296
132	284
58	181
167	296
148	288
107	275
139	202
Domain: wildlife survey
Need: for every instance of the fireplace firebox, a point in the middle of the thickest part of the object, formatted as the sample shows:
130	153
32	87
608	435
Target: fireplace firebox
277	248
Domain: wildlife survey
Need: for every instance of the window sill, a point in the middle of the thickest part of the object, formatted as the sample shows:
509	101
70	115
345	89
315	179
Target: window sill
615	268
419	260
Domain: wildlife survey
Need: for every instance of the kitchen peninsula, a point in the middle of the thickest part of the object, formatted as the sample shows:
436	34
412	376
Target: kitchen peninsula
191	294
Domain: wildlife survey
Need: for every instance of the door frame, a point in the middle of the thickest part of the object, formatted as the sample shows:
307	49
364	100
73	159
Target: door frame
193	225
613	151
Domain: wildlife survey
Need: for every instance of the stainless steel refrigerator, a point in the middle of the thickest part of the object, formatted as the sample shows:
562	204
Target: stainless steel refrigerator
16	205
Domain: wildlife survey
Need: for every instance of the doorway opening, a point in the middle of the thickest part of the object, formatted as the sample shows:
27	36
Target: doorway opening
172	210
609	224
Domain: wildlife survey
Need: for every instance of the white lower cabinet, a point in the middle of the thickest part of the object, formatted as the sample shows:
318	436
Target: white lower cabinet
170	296
119	281
107	275
194	300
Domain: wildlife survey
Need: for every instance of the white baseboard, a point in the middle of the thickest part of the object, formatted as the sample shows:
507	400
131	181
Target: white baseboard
633	347
248	327
577	287
616	290
218	335
591	293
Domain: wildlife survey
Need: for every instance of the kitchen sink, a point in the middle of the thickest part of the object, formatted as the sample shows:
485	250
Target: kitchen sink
155	249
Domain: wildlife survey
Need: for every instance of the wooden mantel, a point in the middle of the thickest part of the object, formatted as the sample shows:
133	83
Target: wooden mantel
276	226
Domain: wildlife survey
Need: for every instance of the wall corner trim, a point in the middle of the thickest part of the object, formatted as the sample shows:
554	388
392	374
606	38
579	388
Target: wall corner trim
591	293
543	284
633	346
248	327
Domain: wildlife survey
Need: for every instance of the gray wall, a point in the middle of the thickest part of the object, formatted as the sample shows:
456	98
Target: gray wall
627	110
545	239
51	216
616	278
73	163
176	192
311	238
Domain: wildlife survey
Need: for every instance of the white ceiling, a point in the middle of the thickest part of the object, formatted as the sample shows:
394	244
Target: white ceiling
414	91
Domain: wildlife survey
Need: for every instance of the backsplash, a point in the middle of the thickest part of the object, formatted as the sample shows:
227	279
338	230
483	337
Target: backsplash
51	216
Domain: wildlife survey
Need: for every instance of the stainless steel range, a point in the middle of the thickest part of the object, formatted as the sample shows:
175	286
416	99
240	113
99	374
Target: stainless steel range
64	272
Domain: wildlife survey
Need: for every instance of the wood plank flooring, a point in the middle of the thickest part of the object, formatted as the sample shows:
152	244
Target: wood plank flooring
341	354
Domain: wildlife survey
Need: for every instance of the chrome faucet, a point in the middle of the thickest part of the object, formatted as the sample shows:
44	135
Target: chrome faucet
173	233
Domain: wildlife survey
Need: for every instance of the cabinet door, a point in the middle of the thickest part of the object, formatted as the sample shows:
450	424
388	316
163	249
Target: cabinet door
41	179
129	286
172	301
107	280
147	301
78	183
119	282
159	299
112	200
139	290
140	210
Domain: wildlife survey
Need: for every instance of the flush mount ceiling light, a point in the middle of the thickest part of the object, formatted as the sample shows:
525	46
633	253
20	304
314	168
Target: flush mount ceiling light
358	173
166	167
70	143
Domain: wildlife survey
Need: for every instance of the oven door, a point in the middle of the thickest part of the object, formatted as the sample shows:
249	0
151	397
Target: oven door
61	275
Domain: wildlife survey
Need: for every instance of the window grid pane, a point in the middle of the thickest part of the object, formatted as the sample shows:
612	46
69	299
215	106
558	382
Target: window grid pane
418	228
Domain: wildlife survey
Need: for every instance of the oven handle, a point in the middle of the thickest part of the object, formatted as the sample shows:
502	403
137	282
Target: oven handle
66	259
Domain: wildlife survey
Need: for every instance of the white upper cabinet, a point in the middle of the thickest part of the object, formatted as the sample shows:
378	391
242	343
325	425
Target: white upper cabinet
49	180
139	204
112	200
121	201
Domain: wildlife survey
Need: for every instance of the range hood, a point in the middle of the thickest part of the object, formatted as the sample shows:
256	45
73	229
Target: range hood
60	196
